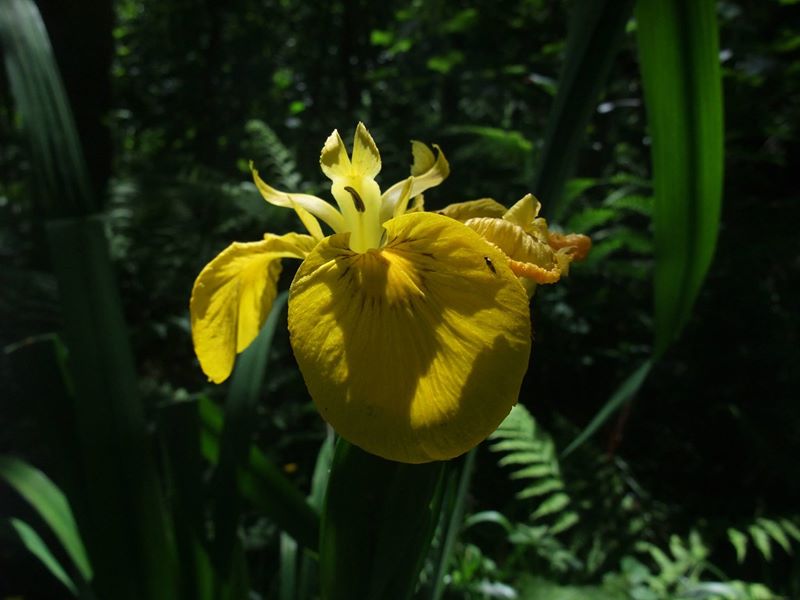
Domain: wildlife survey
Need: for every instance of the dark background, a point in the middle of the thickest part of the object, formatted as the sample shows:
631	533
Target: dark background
173	98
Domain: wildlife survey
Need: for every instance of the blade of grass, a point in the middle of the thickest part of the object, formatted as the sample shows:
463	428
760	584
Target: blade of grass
36	546
287	589
238	427
51	505
454	514
596	31
309	567
624	393
679	57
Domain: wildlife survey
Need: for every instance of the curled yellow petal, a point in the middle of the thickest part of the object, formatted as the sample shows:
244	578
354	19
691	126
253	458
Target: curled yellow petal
309	208
423	158
524	212
576	245
534	253
427	171
484	207
232	297
528	256
414	351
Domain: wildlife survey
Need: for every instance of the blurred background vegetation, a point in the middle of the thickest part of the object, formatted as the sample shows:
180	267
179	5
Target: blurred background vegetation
694	483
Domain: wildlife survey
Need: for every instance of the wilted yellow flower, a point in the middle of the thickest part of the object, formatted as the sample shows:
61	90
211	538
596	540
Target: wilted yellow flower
535	254
411	329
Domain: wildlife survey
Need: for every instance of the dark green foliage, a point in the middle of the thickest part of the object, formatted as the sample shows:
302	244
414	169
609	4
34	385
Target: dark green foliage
595	35
378	520
688	492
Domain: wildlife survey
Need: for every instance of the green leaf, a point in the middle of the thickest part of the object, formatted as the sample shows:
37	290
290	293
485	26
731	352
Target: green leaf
739	542
553	504
532	472
62	178
596	31
287	575
119	504
790	528
537	588
244	396
263	484
123	516
591	218
180	434
761	540
452	517
489	516
51	505
36	546
377	525
679	57
776	533
322	470
309	567
624	393
540	489
564	522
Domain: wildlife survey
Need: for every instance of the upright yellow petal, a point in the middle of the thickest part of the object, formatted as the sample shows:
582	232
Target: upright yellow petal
423	158
333	159
366	158
414	351
427	171
524	212
232	297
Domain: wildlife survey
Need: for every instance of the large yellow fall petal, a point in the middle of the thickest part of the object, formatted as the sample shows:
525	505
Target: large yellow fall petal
414	351
232	297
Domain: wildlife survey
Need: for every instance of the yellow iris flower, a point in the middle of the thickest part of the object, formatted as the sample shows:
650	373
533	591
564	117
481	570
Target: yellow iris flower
411	329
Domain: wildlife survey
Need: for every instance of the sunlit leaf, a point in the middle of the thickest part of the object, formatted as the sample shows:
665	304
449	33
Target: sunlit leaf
50	504
36	546
679	57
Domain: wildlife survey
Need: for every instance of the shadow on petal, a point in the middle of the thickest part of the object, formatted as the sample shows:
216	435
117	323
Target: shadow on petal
414	352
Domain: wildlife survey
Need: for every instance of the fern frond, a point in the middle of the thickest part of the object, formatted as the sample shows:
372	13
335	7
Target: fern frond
764	534
530	453
270	152
684	572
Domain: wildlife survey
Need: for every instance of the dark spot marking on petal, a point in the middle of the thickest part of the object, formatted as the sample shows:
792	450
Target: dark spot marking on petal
356	198
344	273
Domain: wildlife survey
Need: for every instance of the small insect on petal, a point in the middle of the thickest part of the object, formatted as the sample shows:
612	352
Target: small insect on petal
490	264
